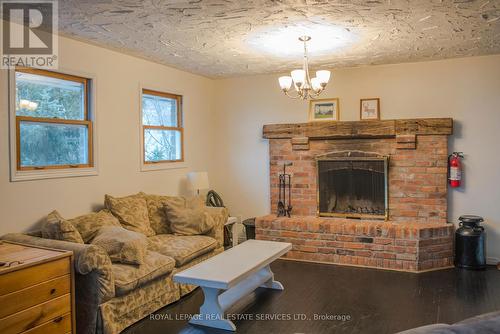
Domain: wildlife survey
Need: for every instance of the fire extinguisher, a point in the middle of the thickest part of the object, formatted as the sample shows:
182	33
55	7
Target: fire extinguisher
455	169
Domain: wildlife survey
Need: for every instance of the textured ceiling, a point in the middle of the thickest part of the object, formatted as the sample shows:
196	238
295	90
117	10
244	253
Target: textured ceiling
223	38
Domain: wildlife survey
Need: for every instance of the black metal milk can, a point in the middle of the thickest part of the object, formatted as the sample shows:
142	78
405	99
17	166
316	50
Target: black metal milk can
470	243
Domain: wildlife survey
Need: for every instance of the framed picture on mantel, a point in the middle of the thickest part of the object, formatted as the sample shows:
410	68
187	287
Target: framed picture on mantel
324	110
369	109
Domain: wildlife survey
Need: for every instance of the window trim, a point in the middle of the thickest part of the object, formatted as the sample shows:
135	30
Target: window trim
54	171
179	127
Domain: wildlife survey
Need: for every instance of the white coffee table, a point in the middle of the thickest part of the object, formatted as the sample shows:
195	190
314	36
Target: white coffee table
228	277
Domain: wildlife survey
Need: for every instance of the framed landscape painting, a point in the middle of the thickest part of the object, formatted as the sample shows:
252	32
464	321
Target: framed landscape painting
369	109
324	110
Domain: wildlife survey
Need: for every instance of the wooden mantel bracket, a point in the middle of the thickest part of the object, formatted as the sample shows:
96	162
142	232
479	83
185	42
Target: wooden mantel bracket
401	128
300	143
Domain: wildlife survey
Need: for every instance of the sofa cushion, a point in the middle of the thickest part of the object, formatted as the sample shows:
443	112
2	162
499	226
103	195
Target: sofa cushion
186	219
129	277
88	225
121	244
58	228
131	211
157	216
182	248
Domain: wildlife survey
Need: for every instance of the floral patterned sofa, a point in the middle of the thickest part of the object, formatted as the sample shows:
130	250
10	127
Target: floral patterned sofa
111	296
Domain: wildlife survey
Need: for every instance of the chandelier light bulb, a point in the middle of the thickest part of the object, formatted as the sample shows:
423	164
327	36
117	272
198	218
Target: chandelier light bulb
23	104
316	85
27	104
32	106
323	76
299	77
285	82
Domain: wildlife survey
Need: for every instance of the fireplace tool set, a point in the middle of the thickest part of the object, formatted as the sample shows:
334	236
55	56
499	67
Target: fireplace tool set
285	188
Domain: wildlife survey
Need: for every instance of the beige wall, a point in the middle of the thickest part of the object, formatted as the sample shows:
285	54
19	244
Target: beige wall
117	106
466	89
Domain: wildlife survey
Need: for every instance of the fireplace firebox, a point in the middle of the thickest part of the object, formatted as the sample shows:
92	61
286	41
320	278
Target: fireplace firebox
353	184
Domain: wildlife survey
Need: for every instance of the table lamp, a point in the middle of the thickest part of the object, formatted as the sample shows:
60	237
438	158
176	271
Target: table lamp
198	181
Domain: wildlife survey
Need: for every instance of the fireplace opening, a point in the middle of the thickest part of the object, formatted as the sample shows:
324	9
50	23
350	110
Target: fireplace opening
352	185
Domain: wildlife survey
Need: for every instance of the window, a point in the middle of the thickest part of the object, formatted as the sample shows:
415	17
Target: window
162	127
53	124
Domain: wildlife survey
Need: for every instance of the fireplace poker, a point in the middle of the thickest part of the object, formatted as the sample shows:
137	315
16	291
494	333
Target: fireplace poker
285	181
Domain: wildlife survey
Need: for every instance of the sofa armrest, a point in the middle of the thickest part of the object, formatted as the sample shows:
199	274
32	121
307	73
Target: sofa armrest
88	259
220	216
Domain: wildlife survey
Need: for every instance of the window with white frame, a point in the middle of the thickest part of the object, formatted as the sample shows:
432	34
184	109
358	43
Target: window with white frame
51	124
162	129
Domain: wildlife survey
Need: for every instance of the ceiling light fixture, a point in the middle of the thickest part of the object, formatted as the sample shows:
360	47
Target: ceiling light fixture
306	87
27	104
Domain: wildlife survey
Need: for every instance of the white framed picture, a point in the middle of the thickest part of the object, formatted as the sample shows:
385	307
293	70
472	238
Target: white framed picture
369	109
324	110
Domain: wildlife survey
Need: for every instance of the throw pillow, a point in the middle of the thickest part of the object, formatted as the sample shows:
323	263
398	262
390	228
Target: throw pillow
132	212
187	220
157	217
121	245
57	228
89	224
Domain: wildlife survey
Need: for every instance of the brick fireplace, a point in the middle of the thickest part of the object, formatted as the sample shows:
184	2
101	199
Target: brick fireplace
395	220
352	184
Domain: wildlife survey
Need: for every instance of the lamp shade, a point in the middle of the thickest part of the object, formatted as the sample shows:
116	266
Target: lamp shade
285	82
315	84
299	77
198	180
323	76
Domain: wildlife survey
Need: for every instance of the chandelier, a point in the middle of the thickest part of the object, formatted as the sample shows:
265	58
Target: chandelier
305	87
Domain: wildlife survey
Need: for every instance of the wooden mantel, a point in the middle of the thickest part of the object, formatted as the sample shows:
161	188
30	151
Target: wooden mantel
360	129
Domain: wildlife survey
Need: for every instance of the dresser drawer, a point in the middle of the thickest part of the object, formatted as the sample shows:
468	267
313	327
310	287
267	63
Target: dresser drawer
33	295
59	325
20	279
36	315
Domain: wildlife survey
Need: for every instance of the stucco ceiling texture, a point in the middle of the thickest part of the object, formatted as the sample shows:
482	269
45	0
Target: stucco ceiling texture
227	38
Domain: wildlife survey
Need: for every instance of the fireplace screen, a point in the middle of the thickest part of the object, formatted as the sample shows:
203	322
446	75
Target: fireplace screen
352	185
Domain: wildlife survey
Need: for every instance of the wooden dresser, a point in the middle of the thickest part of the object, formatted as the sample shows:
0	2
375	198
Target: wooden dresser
36	290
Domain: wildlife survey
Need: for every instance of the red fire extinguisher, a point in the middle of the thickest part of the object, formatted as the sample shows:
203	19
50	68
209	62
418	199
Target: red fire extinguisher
455	169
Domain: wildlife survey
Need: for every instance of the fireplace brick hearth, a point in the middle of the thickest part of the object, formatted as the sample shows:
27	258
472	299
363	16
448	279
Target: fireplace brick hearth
415	237
398	246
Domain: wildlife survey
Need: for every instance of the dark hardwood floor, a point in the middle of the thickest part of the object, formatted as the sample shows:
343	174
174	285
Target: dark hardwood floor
376	301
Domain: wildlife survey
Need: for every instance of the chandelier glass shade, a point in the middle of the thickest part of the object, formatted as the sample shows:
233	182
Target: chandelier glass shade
305	87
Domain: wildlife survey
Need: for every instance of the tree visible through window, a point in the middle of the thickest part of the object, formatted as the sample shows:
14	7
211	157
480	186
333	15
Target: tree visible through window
162	127
53	127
